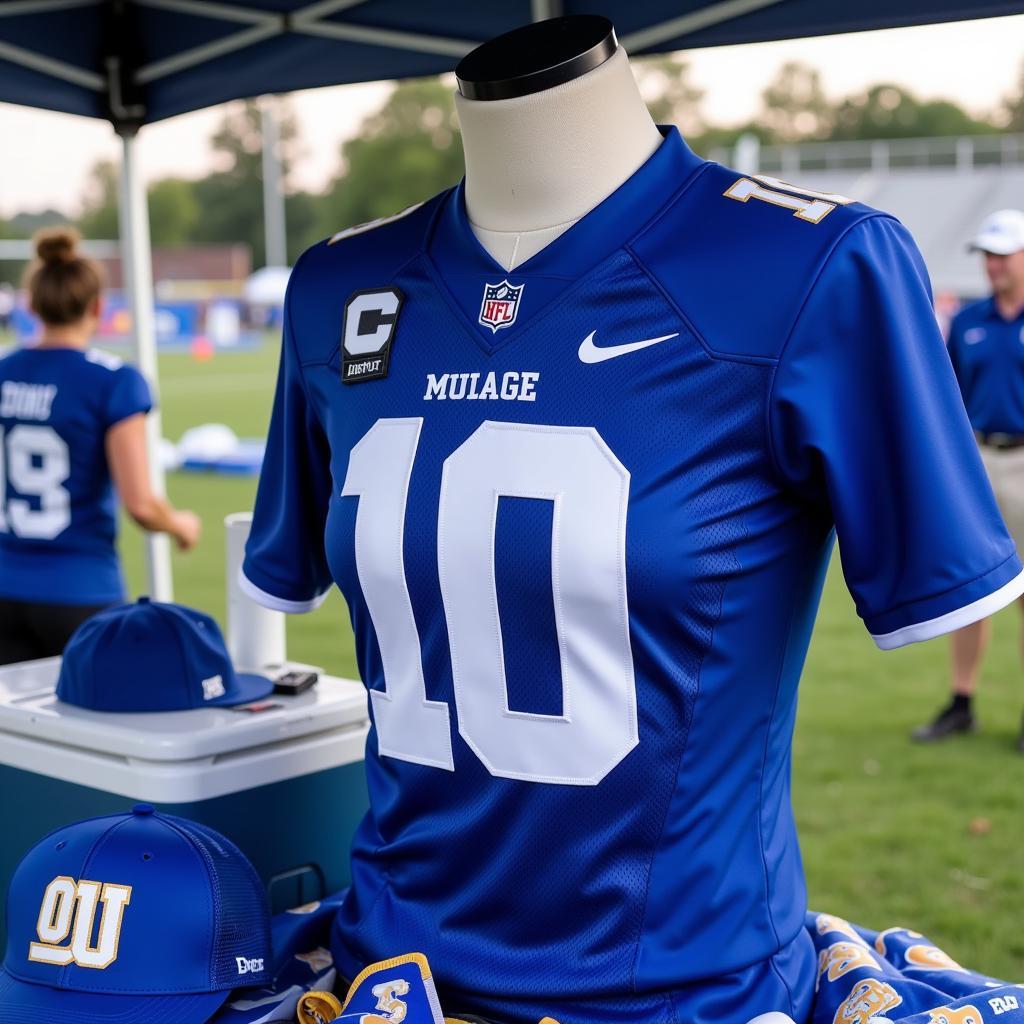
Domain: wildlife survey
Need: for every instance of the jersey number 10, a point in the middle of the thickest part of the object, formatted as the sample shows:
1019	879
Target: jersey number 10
589	487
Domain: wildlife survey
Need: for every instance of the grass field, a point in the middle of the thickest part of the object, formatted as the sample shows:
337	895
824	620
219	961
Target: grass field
886	826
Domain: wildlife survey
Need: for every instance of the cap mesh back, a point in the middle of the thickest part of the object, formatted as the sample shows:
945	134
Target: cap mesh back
242	920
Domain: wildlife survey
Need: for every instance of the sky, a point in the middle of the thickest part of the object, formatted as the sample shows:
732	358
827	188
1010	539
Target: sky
45	158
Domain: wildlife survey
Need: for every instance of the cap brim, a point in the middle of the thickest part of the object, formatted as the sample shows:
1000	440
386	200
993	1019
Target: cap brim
21	1002
997	245
248	687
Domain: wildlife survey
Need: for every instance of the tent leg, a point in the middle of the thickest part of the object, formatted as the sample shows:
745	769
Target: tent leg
276	254
137	269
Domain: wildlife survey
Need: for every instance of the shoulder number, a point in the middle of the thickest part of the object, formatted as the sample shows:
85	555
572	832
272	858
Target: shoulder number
805	203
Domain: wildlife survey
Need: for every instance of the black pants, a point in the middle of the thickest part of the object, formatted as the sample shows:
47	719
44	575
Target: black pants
29	630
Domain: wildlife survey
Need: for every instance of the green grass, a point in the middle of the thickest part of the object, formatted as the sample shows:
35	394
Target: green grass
885	825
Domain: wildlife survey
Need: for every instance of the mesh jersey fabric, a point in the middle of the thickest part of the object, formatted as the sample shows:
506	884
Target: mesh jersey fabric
647	529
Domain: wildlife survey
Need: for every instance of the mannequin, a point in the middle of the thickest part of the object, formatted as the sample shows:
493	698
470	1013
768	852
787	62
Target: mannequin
582	514
552	123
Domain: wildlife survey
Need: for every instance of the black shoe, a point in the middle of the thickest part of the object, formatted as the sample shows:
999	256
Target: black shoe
950	720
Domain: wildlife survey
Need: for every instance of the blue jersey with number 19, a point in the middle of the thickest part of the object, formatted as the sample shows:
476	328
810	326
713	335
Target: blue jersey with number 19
581	513
58	516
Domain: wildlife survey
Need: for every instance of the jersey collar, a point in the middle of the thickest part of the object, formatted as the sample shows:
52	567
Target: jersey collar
610	224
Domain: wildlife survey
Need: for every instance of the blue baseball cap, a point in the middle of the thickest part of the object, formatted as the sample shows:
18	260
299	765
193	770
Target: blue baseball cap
152	656
137	918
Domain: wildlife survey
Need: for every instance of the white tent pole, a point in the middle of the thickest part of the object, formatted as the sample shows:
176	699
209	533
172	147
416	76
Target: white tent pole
137	269
276	247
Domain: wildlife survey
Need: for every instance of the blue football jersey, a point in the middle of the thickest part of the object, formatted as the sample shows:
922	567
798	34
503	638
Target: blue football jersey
581	513
58	514
987	351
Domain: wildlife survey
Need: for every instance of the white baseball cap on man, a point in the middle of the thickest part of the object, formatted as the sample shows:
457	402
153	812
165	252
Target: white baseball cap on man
1001	233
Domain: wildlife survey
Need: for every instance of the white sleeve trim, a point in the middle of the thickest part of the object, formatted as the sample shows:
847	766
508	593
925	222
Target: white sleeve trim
956	619
275	603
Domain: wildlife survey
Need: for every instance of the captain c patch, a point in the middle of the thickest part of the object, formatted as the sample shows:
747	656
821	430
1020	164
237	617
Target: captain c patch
368	332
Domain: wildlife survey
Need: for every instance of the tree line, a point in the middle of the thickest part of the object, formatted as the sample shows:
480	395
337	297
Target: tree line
409	149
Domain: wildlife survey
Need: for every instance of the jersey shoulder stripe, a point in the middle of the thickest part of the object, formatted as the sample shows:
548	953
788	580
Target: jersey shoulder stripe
737	254
104	359
401	234
370	225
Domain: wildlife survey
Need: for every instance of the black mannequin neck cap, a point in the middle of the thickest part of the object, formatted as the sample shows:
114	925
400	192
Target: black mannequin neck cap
536	57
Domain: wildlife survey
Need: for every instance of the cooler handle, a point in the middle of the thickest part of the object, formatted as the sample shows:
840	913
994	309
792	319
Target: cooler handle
284	897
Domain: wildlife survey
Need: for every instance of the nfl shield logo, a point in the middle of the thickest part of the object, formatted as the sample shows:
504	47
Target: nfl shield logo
500	305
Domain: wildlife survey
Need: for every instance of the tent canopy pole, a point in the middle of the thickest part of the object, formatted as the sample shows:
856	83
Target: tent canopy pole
137	269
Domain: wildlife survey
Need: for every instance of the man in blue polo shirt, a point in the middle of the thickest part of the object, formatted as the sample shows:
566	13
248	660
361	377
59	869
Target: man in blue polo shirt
986	345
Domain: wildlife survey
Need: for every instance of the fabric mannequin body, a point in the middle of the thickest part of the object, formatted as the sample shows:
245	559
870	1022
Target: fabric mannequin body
536	164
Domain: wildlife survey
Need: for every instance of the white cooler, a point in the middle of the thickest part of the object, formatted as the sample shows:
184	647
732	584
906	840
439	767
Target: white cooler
286	785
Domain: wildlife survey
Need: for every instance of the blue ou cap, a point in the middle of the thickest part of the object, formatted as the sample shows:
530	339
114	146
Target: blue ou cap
152	656
137	918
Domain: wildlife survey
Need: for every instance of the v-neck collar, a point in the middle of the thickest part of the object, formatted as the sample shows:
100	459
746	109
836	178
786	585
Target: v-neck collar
461	262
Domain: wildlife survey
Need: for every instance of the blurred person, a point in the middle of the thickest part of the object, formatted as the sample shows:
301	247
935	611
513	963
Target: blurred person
72	430
986	346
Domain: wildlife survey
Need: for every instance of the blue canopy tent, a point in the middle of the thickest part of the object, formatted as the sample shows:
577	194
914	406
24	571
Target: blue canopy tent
133	62
136	61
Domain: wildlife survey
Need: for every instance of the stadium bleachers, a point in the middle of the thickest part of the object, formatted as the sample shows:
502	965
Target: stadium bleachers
940	188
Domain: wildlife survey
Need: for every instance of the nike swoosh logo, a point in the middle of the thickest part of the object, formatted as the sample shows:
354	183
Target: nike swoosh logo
590	353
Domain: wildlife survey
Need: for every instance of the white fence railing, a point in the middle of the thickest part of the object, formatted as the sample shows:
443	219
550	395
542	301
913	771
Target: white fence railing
963	153
23	249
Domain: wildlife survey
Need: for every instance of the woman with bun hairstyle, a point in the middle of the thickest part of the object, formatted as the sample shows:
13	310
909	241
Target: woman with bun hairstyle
71	433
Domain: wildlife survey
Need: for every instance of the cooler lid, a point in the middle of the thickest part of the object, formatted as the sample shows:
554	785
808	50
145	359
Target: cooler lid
29	707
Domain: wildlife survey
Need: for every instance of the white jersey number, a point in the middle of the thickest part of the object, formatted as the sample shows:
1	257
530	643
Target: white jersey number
574	469
37	464
807	204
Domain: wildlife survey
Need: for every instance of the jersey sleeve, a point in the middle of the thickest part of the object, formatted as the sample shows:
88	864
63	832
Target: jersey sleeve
867	422
285	567
129	395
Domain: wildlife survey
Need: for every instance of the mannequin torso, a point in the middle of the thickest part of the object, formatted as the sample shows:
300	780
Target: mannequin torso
536	164
581	512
